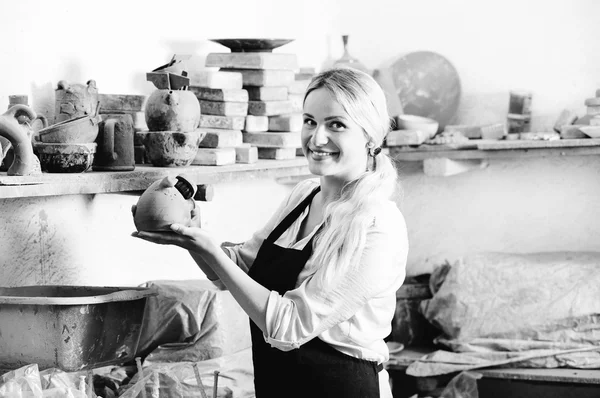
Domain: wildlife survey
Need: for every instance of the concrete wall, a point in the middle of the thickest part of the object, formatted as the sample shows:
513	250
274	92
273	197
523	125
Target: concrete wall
519	205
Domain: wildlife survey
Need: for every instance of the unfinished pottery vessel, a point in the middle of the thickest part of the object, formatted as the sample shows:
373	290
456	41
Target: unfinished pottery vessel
171	148
24	162
172	110
115	144
165	202
74	100
65	158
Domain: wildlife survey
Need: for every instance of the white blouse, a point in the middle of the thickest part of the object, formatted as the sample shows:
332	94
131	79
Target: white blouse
356	314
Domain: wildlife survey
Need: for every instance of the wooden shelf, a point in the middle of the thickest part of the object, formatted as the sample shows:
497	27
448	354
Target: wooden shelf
93	182
482	149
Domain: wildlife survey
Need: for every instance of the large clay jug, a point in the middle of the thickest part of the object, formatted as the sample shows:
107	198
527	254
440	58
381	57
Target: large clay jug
115	144
165	202
172	110
24	162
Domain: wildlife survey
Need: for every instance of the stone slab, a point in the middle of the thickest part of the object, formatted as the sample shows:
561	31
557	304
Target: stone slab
289	122
219	94
216	79
214	157
273	139
297	101
266	78
246	154
256	124
252	60
222	122
277	153
224	108
267	93
219	138
269	108
121	102
298	87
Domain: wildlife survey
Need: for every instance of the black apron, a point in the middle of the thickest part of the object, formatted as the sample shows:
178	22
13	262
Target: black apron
316	369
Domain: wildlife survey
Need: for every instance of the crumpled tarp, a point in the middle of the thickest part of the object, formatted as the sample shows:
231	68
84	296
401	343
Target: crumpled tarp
29	382
537	310
190	321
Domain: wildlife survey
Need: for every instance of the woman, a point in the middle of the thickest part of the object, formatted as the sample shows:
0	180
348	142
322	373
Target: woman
319	281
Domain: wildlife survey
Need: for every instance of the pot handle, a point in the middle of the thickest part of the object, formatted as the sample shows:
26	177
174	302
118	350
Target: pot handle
108	139
43	119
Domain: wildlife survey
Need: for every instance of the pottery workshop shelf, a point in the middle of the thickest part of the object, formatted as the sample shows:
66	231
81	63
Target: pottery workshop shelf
445	160
93	182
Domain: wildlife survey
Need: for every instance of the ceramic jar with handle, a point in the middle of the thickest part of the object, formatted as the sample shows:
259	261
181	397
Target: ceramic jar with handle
165	202
172	110
115	144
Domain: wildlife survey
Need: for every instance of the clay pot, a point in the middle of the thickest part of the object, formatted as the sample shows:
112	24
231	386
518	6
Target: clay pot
65	158
171	148
172	110
24	161
165	202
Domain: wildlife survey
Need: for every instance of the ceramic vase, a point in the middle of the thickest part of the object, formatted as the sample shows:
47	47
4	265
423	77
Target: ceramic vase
172	110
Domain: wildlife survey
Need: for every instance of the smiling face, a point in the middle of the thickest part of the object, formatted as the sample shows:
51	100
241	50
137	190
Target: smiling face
335	146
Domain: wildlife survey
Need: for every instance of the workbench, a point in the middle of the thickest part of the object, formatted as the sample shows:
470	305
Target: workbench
496	382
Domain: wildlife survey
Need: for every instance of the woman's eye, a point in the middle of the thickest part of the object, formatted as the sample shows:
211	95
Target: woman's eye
309	122
337	126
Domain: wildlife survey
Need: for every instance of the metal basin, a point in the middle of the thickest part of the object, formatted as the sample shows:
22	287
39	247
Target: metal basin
70	327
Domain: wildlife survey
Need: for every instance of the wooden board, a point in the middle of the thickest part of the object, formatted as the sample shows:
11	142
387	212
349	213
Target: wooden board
535	144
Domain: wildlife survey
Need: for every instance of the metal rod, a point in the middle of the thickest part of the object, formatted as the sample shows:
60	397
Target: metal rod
216	384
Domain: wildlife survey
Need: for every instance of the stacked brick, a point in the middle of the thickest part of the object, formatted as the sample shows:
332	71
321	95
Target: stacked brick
273	123
224	107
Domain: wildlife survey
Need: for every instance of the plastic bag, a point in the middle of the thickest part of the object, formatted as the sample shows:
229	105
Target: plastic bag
29	382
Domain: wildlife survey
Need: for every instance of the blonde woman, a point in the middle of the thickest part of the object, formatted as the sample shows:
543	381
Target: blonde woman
319	280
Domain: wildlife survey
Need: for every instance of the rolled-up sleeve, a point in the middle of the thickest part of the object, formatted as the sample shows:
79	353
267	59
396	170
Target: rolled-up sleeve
314	307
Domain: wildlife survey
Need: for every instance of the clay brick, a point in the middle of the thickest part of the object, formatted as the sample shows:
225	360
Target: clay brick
219	94
277	153
224	108
273	140
266	78
593	110
405	137
299	152
592	101
269	108
214	156
218	138
246	154
297	101
570	131
267	93
298	87
289	122
216	79
256	124
222	122
121	102
252	60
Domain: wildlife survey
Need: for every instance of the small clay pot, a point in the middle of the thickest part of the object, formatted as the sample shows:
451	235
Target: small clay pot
171	148
172	110
80	130
165	202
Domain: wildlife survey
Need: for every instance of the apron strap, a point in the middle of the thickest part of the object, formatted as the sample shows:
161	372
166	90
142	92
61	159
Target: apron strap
290	218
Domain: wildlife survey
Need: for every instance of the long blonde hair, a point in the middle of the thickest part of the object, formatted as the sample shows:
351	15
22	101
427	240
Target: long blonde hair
342	240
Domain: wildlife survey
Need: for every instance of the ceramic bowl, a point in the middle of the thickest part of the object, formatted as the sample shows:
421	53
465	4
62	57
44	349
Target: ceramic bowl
80	130
414	122
65	158
171	148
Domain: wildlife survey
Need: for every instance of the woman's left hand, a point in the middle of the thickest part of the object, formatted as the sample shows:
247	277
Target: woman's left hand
193	239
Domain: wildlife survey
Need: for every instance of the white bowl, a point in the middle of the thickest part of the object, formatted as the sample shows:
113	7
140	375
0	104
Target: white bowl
414	122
